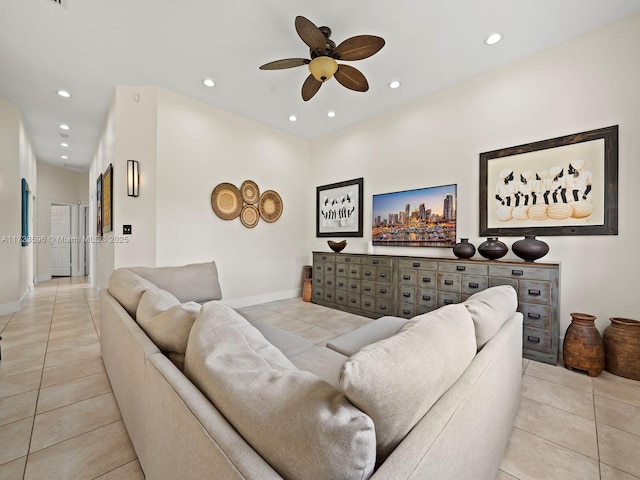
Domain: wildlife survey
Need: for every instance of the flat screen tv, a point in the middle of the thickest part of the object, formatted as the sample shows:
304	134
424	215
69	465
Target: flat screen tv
425	217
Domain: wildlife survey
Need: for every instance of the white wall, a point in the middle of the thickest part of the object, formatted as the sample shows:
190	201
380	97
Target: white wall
56	185
200	146
588	83
16	162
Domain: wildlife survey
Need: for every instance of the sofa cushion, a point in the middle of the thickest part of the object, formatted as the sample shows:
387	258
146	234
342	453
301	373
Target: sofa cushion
197	282
127	288
351	342
301	425
165	320
397	380
489	310
322	362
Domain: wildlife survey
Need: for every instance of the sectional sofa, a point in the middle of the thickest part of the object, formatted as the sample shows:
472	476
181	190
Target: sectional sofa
207	393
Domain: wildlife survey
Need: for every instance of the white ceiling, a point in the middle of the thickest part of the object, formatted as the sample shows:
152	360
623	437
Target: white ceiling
89	47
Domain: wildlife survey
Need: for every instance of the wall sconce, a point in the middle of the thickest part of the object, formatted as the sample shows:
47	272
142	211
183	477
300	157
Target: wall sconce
133	181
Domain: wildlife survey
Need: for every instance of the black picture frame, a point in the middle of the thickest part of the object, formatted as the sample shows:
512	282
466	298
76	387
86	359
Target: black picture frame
339	208
567	186
25	213
107	200
99	206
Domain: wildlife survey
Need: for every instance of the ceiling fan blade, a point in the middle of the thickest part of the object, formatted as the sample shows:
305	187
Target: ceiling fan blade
310	34
359	47
310	87
285	63
351	78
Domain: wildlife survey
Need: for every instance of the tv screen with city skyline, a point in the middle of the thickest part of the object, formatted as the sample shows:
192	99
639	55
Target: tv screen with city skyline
425	217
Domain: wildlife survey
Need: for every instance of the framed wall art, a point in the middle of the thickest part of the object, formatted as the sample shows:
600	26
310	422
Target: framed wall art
107	200
99	206
562	186
339	209
25	213
424	217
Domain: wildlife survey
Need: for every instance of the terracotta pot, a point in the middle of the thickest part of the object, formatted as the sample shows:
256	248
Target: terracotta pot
583	348
622	347
530	248
492	248
464	249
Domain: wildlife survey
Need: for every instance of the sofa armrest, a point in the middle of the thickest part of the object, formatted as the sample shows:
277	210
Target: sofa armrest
351	342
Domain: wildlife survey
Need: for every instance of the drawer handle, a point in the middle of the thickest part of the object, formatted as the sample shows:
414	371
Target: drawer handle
533	339
383	307
375	262
347	259
535	316
426	280
341	270
383	290
353	272
383	275
318	267
406	277
406	294
324	257
426	298
367	304
474	285
329	295
448	282
367	289
517	273
416	264
340	298
448	302
329	269
367	273
534	293
406	312
328	282
461	268
341	284
353	300
354	286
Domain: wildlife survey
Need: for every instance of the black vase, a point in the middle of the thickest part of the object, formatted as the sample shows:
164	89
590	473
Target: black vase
464	249
530	248
492	248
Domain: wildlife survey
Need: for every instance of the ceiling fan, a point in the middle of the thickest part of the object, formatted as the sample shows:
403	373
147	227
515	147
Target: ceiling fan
324	54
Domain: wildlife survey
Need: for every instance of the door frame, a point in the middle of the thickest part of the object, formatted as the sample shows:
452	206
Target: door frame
79	254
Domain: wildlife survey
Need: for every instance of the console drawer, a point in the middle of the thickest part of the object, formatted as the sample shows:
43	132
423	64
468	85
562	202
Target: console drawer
449	282
474	283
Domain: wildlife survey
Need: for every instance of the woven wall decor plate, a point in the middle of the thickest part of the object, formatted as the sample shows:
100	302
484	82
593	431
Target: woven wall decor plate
249	216
226	201
270	206
250	192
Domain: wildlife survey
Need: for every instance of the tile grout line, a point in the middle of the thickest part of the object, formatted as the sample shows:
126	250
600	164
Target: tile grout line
26	462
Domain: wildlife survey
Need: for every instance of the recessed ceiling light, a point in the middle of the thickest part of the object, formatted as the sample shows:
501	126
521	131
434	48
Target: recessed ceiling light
394	84
64	157
64	144
292	118
493	39
331	114
63	93
209	83
64	126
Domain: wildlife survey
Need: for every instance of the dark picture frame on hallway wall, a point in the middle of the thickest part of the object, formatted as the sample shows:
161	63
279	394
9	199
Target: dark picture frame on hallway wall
107	200
99	206
339	209
562	186
25	213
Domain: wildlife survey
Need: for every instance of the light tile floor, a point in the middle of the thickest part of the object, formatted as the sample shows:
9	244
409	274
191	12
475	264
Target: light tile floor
59	419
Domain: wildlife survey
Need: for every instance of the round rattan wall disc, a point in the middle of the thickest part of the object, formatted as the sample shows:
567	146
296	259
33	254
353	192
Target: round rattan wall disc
226	201
249	216
250	192
270	206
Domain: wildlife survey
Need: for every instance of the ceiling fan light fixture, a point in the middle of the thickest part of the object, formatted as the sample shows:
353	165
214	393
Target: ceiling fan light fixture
323	68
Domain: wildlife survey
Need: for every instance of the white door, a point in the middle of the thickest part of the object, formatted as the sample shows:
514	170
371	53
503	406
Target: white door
60	240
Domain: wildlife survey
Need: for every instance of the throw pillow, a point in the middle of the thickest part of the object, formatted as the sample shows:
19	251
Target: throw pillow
301	425
489	309
127	288
396	380
165	320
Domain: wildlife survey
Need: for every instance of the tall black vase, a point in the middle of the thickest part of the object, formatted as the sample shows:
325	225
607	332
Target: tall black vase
492	248
530	248
464	249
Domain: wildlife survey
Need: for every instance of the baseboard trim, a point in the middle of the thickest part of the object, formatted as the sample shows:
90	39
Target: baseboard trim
7	308
43	278
265	298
